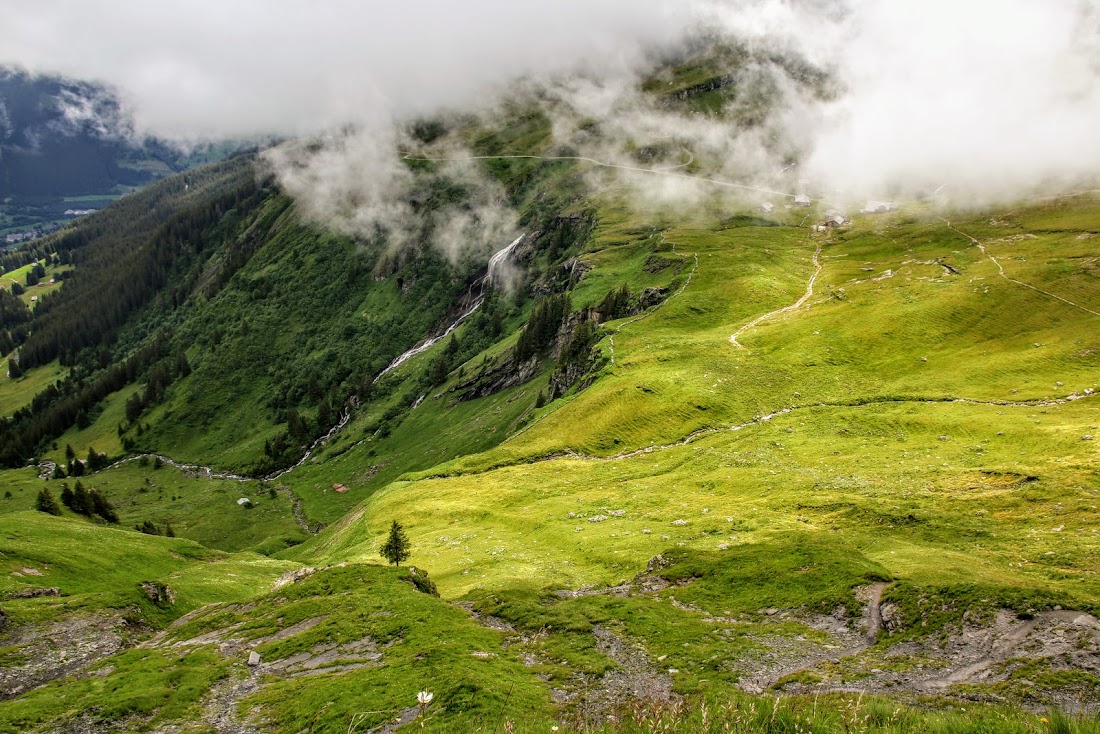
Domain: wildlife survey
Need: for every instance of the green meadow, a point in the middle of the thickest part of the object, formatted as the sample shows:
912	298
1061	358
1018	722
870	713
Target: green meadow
799	431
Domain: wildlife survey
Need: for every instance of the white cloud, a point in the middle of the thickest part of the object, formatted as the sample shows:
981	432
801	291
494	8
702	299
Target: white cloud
992	99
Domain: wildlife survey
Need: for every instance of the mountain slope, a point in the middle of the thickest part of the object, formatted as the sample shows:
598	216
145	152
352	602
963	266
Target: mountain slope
688	459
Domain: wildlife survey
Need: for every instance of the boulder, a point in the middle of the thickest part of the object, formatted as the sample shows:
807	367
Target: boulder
158	593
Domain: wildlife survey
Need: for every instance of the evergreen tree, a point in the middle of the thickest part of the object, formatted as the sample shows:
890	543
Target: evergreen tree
102	507
58	472
148	528
46	503
396	547
168	531
14	370
296	427
82	501
67	497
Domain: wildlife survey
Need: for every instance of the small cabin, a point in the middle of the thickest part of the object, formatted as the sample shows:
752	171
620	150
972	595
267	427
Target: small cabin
878	207
766	208
243	501
834	221
802	200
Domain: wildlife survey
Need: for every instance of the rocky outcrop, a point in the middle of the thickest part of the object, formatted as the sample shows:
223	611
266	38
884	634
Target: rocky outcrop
35	593
497	378
158	593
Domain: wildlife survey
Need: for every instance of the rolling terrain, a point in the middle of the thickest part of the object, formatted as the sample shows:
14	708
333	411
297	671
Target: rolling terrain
706	471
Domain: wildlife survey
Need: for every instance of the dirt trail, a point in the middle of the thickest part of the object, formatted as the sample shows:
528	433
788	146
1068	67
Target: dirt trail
793	307
705	432
659	306
1003	274
873	613
841	632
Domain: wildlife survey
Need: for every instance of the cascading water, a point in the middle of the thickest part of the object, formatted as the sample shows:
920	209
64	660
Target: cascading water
497	261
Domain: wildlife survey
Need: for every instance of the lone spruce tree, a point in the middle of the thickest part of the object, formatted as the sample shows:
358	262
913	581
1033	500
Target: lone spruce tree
396	547
46	503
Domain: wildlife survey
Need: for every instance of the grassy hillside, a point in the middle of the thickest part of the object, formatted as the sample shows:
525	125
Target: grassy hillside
703	472
99	568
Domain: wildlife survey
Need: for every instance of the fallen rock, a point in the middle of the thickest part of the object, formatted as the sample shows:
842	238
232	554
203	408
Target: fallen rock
254	658
158	593
35	593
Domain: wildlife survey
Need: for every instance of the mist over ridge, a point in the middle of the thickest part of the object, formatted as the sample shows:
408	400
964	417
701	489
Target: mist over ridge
849	99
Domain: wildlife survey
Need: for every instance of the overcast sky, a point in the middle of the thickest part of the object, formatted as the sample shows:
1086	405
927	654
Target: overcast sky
979	93
239	67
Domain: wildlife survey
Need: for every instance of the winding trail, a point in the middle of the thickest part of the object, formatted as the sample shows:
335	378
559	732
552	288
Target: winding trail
705	432
793	307
649	312
1006	276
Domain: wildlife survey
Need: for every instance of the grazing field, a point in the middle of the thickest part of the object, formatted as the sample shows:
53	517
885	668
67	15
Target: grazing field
815	481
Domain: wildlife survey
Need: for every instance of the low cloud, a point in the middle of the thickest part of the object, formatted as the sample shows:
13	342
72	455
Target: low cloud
984	102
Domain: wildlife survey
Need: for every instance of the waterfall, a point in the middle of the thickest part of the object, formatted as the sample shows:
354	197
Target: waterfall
499	259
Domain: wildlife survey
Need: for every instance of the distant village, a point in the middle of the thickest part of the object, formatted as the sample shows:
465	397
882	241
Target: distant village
833	218
42	230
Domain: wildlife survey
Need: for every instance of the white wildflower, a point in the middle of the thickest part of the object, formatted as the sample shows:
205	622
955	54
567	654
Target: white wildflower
679	523
424	697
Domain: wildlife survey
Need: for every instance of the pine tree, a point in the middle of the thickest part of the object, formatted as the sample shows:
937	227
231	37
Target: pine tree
102	507
67	497
396	547
82	501
148	528
46	503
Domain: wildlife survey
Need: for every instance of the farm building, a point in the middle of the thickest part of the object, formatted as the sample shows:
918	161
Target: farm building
802	200
878	207
766	208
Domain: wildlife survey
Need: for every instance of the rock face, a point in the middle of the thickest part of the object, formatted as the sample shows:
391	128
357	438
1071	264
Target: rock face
61	648
160	594
35	593
502	377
